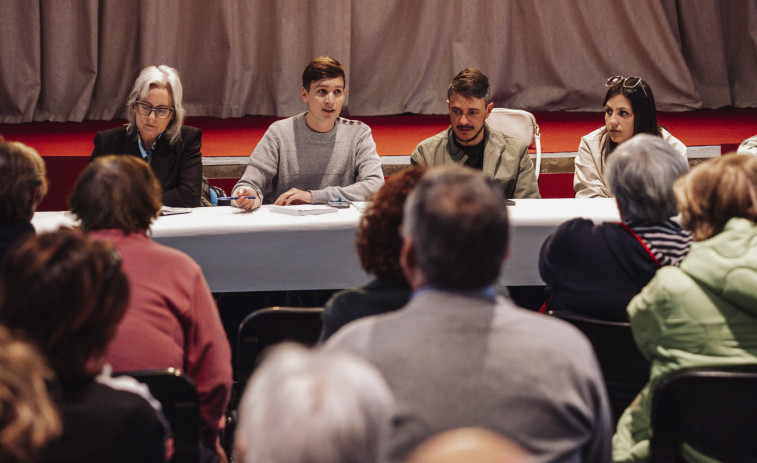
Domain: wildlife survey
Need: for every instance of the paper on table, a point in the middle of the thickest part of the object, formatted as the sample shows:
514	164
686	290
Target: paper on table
304	209
167	210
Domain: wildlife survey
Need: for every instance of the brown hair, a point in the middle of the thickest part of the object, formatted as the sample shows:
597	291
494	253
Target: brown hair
378	235
470	83
716	191
22	180
28	418
116	192
66	292
323	67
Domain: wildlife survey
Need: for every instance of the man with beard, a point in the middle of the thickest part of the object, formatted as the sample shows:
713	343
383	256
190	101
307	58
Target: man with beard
469	141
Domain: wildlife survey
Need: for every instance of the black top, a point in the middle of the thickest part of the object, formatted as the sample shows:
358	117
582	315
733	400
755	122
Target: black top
11	233
101	423
377	297
475	153
178	166
595	270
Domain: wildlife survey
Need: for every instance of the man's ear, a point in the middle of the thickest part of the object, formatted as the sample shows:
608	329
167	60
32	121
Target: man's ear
304	95
489	108
408	262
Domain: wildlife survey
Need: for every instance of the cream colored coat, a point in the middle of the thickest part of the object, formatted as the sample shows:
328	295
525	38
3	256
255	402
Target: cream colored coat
589	178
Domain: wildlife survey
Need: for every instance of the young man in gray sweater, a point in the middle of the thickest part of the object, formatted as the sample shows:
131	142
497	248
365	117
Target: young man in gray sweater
316	156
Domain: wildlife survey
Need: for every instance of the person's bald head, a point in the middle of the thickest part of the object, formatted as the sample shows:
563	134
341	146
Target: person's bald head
469	445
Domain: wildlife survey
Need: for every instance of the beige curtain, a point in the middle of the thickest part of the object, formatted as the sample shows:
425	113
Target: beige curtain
69	60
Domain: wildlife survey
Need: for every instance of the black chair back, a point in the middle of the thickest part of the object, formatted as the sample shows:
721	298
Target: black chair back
714	410
269	326
178	397
625	370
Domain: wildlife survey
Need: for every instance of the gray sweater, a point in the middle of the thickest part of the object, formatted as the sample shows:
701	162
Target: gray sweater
339	164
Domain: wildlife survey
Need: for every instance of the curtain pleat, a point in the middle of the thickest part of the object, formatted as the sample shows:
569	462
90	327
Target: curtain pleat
70	60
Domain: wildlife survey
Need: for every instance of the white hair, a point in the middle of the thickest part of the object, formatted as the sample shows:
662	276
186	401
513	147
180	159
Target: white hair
313	406
641	172
157	77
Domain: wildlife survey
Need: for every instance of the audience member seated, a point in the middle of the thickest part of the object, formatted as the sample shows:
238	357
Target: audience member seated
22	186
66	292
595	270
172	320
155	133
457	355
470	141
312	406
703	312
629	110
749	146
316	156
378	247
28	418
467	445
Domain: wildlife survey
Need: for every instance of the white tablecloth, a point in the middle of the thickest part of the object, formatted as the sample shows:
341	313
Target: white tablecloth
266	251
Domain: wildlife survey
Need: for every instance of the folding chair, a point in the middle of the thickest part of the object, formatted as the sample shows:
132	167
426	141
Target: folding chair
625	370
266	327
178	397
712	410
521	124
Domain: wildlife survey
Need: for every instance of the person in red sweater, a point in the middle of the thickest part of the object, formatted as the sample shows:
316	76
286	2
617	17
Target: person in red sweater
172	319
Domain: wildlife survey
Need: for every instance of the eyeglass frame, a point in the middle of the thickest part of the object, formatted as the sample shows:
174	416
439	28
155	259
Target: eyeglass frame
615	80
142	104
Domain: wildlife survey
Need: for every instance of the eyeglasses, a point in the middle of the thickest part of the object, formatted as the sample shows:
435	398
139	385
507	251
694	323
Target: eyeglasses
628	82
145	109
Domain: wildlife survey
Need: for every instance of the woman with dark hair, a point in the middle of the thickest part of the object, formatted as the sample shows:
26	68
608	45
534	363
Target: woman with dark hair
378	246
629	110
702	313
172	320
67	293
155	133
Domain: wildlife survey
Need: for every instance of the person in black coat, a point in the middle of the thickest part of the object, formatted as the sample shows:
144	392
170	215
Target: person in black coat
595	269
155	133
66	293
378	247
22	187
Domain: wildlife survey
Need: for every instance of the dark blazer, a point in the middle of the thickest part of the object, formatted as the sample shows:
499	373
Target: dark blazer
178	166
595	269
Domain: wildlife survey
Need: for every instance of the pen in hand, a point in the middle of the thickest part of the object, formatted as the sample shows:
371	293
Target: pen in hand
224	198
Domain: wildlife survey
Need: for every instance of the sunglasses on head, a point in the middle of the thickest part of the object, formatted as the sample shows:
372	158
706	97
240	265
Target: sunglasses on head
628	82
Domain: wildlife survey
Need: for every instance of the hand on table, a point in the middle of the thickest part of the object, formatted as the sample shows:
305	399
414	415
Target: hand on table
246	203
294	196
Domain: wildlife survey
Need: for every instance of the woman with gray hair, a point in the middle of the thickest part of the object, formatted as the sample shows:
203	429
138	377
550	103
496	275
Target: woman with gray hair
155	133
312	405
595	269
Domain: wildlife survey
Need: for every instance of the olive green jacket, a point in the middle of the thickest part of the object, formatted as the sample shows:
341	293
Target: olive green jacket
506	160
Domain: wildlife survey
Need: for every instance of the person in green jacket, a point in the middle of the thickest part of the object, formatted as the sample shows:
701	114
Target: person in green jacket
704	312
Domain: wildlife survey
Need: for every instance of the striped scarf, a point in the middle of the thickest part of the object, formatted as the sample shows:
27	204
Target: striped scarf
667	241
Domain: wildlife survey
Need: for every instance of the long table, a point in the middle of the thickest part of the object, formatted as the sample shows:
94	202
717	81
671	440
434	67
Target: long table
267	251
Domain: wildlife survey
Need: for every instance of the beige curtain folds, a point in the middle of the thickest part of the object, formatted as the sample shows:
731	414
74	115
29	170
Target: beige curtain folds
69	60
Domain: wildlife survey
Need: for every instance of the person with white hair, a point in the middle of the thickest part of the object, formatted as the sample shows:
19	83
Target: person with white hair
595	269
155	133
309	405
